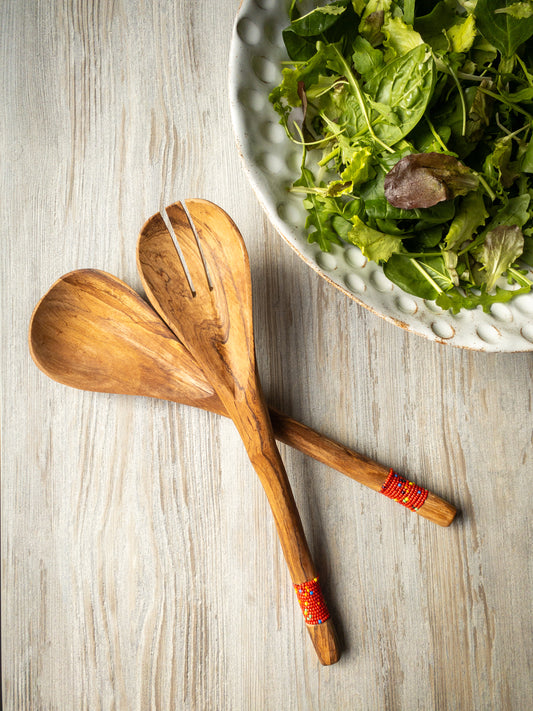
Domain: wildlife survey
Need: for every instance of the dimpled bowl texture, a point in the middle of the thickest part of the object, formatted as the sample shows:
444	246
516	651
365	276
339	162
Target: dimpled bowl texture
272	163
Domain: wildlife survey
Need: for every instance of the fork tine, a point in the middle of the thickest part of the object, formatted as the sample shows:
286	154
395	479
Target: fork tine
199	244
172	233
188	246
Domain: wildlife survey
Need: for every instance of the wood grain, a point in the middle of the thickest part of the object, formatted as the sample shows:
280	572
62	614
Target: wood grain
140	568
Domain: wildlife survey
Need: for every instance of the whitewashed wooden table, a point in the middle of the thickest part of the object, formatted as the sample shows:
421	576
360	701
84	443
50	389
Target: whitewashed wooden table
140	566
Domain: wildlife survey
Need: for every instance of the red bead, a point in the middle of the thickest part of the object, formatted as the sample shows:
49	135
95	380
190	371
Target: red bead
403	491
312	602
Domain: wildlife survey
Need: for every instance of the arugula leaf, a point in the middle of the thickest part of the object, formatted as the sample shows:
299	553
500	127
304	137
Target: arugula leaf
455	300
320	208
322	205
287	94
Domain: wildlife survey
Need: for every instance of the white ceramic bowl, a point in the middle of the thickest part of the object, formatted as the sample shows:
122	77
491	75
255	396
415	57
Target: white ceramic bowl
272	163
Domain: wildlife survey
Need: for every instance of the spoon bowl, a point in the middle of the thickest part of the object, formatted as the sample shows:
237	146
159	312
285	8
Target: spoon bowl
91	331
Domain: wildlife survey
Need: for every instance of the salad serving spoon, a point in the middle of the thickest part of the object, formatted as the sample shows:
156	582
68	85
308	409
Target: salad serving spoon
91	331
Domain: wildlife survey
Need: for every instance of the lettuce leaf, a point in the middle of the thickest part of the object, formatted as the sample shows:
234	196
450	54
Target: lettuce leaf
375	245
501	248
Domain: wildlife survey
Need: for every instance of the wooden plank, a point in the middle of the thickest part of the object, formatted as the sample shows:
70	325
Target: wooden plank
140	565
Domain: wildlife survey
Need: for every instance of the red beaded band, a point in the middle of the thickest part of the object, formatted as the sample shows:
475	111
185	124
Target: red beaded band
312	602
404	492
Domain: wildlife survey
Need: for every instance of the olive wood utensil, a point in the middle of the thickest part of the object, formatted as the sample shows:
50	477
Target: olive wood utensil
203	290
91	331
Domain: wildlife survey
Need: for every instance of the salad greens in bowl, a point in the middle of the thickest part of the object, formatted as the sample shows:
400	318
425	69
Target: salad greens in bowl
406	138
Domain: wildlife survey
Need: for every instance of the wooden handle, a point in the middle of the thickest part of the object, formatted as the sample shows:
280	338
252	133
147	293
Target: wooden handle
255	428
324	638
348	462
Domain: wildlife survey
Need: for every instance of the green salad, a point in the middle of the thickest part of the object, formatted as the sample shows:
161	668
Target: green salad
415	122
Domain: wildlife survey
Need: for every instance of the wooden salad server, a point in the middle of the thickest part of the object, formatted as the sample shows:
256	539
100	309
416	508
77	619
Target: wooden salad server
204	293
91	331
